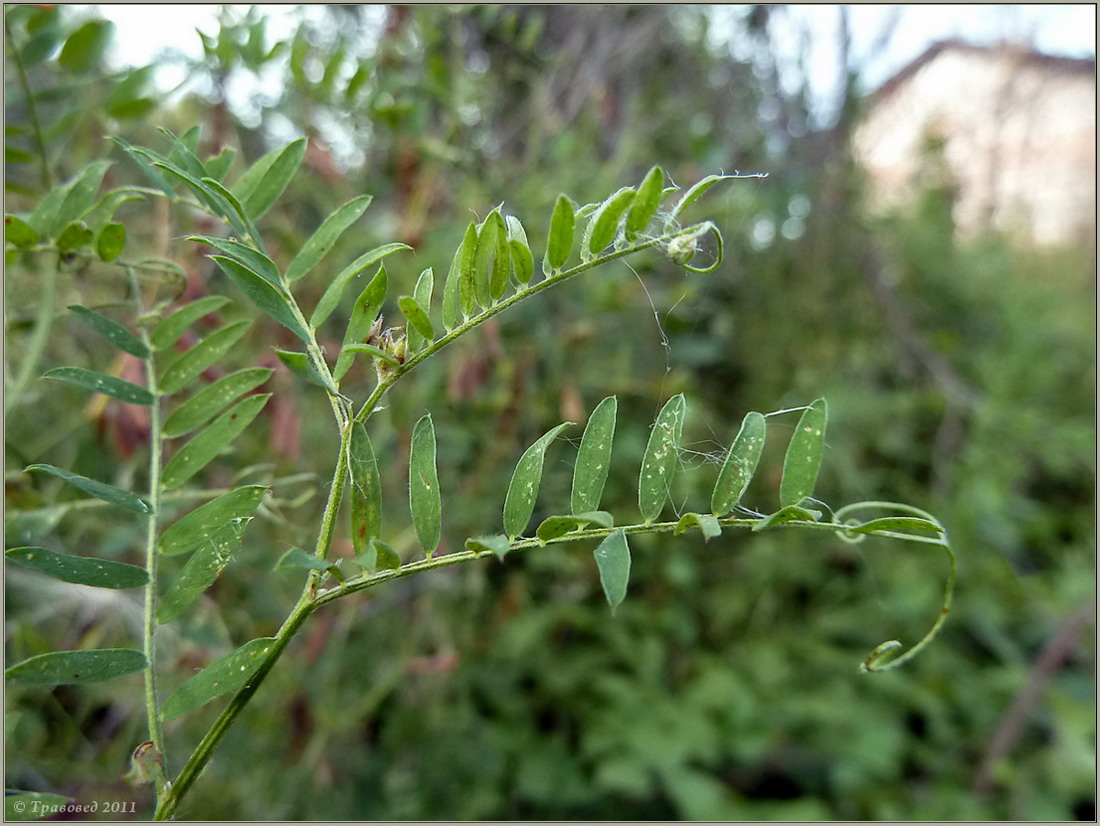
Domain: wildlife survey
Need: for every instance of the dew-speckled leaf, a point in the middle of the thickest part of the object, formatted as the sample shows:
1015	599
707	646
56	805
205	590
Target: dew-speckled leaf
523	263
18	232
100	490
418	319
897	523
82	570
425	501
363	314
559	242
467	271
265	295
706	522
252	258
203	406
203	448
169	330
201	569
645	203
302	366
77	667
366	490
116	388
803	459
604	225
264	181
594	457
199	525
331	299
422	297
220	677
519	503
191	364
20	805
553	527
498	545
740	465
613	561
110	241
662	454
790	513
326	236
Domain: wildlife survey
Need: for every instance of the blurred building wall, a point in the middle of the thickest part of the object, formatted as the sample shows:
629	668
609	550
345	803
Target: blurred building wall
1017	131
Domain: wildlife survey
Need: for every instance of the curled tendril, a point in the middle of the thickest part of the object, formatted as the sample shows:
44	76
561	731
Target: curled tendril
692	236
884	657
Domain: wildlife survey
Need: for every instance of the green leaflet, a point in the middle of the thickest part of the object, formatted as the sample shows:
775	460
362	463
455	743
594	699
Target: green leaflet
251	258
645	203
378	555
451	308
80	195
74	236
613	561
803	459
235	208
202	407
100	490
897	523
660	460
499	544
523	263
490	266
693	194
326	236
740	465
44	217
201	569
554	527
706	522
418	319
594	457
467	271
331	299
366	309
502	257
302	366
169	330
519	503
201	450
141	158
366	490
116	388
199	525
265	180
425	502
220	677
77	667
82	570
297	559
84	47
559	242
604	224
110	241
183	152
191	364
790	513
18	232
377	352
263	294
217	166
421	329
214	202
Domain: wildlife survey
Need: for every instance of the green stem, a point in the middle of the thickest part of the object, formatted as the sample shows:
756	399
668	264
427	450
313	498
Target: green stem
32	110
43	321
152	703
437	345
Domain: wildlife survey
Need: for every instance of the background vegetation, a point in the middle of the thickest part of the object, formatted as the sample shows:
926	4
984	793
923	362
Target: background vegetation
960	377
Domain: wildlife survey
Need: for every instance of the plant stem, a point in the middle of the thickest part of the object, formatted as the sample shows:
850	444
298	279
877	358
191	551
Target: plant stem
32	110
152	703
43	320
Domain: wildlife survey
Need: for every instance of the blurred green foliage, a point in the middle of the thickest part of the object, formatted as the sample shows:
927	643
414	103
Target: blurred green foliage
959	376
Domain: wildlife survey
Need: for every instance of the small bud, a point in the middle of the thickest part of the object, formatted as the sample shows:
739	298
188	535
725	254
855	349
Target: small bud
682	248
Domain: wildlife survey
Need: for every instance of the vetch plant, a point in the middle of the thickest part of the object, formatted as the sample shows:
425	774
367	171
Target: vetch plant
192	422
